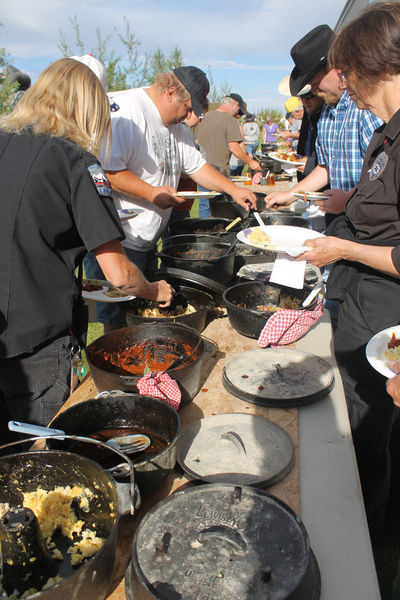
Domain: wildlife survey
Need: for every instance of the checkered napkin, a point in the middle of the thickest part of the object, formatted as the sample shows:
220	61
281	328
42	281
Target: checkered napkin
160	385
287	326
255	180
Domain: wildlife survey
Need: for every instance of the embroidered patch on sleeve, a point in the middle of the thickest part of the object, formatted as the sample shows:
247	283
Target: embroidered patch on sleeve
100	180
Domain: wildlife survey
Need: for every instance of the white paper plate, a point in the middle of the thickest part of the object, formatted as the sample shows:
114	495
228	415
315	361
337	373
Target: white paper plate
377	346
288	163
100	296
307	196
239	178
128	213
283	238
194	195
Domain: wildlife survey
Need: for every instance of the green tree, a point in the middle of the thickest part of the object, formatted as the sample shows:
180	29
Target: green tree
275	114
6	88
123	71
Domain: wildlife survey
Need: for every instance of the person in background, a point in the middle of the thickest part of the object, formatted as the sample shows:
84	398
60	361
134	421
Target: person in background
235	164
95	65
251	134
364	245
270	131
56	204
295	107
308	131
219	134
12	75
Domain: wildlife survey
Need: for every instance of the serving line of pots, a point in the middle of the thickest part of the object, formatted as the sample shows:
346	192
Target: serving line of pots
220	540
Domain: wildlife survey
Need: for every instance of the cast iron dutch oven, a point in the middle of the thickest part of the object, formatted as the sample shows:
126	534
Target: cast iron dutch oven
93	579
201	301
208	260
154	345
220	542
247	304
280	219
244	255
223	206
113	413
215	227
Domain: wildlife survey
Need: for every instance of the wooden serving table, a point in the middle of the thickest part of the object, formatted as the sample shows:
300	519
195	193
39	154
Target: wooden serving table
322	487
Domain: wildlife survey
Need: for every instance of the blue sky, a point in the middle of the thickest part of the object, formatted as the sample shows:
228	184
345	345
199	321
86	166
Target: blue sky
244	44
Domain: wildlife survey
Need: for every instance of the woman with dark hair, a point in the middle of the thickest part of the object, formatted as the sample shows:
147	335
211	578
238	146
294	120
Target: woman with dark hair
365	245
56	204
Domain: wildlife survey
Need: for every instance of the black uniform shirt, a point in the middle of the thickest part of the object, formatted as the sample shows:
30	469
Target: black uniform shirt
55	203
374	208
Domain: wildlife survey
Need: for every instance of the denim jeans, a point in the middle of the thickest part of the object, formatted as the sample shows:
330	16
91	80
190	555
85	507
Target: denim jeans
110	313
204	205
34	385
251	148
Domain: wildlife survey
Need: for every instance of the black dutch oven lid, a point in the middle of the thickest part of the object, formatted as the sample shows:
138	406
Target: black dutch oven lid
235	448
199	281
278	377
222	541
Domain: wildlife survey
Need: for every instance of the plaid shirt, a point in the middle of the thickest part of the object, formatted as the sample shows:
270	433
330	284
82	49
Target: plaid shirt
344	132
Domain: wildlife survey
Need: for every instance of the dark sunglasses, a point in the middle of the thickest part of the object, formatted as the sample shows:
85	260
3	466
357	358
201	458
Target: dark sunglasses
308	96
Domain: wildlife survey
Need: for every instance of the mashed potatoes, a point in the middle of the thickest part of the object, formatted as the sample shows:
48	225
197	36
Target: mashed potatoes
259	238
53	510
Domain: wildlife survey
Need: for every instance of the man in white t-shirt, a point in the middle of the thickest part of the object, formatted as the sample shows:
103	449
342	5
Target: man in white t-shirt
150	150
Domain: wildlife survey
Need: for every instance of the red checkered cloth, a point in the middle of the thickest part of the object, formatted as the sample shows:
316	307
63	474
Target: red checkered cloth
287	326
255	180
160	385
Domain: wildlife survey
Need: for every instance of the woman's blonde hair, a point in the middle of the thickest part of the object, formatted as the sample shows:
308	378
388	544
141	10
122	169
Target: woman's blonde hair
66	101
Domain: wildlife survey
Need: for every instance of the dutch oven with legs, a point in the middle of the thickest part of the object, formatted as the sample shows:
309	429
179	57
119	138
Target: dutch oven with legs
223	206
114	414
212	226
118	359
252	303
207	260
27	562
197	299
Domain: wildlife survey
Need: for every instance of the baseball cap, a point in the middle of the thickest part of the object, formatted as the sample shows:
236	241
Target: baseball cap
240	101
196	83
95	65
292	103
310	55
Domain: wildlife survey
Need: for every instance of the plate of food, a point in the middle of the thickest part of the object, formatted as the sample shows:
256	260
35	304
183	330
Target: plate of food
309	196
239	178
194	195
383	351
279	238
103	291
287	158
128	213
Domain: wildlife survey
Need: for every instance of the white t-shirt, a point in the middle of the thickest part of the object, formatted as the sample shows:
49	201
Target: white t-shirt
157	154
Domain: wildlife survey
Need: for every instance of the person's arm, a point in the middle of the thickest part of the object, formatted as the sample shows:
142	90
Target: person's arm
127	183
336	202
211	179
317	179
235	148
329	249
393	389
123	274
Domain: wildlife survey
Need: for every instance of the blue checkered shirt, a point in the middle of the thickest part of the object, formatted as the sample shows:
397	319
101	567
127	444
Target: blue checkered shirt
344	132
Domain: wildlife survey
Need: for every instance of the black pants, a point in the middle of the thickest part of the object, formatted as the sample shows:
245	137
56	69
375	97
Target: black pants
370	305
34	386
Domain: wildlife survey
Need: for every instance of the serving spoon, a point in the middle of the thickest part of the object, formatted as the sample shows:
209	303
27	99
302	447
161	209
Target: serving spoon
125	443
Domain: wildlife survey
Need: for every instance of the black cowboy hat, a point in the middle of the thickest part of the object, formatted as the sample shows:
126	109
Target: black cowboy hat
309	55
